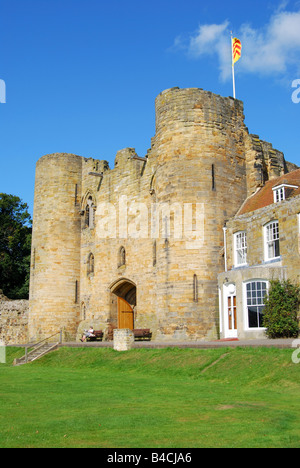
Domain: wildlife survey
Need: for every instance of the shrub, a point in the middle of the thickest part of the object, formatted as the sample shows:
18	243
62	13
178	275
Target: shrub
281	311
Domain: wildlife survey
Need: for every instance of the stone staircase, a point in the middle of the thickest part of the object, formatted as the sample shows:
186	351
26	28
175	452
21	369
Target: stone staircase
39	350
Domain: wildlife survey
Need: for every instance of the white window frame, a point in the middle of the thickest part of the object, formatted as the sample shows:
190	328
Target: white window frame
271	237
240	248
254	303
280	193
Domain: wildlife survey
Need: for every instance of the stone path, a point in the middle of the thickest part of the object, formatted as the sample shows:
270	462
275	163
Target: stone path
277	343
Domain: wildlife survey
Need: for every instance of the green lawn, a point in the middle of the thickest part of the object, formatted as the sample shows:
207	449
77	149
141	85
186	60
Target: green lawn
171	398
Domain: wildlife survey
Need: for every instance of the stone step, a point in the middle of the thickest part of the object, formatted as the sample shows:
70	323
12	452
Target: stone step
36	354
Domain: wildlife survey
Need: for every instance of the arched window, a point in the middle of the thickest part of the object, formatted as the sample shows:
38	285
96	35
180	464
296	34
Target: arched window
122	256
91	264
89	213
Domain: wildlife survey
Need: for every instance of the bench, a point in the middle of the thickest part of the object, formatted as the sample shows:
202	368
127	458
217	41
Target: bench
142	334
98	336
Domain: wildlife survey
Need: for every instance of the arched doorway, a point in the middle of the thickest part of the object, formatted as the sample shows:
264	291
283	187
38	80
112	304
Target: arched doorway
123	303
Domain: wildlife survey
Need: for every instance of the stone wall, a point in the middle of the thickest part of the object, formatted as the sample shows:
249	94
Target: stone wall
123	340
286	212
258	269
13	321
263	163
85	214
197	151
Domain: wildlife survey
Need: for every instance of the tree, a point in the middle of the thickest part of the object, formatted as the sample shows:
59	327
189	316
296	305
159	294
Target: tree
281	310
15	246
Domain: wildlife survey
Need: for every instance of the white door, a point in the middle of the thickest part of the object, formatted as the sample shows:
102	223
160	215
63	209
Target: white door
230	313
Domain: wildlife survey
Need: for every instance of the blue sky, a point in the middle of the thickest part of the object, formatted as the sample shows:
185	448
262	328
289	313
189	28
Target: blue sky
82	75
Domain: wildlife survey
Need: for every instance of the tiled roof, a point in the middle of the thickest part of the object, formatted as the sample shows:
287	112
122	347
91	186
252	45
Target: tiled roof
265	196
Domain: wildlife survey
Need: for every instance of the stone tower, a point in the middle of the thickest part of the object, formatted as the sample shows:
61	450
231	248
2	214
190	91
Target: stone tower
200	160
55	266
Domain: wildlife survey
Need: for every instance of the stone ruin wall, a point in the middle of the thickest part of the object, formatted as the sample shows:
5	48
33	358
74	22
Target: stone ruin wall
13	320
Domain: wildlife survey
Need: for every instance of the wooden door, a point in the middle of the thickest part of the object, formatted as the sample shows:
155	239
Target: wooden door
125	314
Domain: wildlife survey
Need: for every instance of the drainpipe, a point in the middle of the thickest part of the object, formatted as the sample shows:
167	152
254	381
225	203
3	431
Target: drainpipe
225	247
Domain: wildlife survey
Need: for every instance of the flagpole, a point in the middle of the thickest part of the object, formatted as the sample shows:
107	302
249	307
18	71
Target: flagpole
233	77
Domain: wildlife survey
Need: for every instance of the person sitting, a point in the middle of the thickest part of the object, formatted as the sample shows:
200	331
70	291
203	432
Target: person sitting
88	334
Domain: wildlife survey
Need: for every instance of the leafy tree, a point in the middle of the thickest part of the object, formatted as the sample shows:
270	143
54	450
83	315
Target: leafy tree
281	311
15	246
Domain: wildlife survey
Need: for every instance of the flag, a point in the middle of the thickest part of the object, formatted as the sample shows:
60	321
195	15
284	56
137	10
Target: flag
236	49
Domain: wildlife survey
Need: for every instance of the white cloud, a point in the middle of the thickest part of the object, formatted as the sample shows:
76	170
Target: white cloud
275	48
207	38
212	39
272	49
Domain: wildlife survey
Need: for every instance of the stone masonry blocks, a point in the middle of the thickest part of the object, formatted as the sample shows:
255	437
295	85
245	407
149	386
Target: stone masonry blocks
123	339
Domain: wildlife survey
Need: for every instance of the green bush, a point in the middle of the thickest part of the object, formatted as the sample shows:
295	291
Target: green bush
282	308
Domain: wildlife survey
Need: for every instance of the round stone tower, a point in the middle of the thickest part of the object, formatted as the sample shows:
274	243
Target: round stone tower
201	173
55	263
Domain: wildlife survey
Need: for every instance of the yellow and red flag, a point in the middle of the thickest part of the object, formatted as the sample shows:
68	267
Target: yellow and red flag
236	49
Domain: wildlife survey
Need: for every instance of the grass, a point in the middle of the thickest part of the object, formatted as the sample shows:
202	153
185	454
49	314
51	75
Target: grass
171	398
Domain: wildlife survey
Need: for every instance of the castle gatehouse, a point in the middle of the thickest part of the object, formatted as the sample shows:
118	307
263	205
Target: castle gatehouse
141	245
